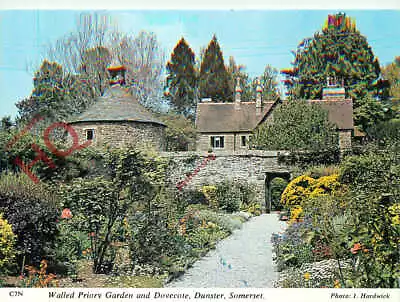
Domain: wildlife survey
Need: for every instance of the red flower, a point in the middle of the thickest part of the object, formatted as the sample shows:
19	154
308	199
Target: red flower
66	214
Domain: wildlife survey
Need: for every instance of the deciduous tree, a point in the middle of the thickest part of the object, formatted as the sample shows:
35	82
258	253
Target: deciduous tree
297	125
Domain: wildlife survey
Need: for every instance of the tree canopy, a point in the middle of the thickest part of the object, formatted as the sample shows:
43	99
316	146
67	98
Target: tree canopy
339	51
297	125
182	79
214	78
391	72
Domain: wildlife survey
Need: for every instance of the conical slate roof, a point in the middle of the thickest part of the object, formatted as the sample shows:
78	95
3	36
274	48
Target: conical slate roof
117	105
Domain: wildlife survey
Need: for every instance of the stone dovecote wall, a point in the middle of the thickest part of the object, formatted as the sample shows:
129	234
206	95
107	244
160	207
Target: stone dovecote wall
248	166
118	134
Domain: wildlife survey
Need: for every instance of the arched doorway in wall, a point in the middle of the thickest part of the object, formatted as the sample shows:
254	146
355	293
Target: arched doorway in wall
274	183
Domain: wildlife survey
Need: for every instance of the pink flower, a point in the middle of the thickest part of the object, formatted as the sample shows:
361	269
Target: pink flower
66	214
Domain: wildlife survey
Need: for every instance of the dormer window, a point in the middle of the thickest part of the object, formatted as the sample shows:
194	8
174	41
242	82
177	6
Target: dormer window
89	134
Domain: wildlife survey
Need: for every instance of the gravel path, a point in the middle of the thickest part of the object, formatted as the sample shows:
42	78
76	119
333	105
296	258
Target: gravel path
244	259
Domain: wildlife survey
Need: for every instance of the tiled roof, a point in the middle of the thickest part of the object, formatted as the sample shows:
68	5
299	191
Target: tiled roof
225	117
340	112
116	105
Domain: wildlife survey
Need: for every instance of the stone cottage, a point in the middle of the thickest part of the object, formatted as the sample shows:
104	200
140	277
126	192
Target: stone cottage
228	126
118	119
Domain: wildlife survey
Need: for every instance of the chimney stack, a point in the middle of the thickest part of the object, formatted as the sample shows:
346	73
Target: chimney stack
238	92
258	98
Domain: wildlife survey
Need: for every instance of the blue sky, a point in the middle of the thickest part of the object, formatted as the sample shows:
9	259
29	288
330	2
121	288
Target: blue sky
254	38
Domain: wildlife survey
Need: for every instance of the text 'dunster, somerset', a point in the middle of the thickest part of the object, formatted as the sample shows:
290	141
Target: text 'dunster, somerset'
206	295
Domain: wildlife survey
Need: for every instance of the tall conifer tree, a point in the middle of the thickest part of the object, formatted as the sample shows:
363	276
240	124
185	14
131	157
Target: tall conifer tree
214	78
338	51
182	79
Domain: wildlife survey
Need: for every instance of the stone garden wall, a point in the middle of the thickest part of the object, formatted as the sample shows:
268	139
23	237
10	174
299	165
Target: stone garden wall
249	166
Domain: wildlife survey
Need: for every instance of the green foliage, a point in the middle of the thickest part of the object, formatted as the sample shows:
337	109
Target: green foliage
344	54
71	245
206	237
368	113
93	69
245	82
252	208
6	123
214	81
210	192
391	72
307	159
55	96
296	126
231	195
225	221
278	185
96	200
374	171
31	210
130	184
385	132
180	133
153	240
182	80
269	83
7	241
358	219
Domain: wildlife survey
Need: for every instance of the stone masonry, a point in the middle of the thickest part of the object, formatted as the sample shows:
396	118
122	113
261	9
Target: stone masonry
249	166
118	134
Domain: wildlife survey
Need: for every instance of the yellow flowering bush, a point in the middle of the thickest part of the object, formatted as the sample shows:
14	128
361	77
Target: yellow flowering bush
326	184
394	211
303	187
297	190
296	213
7	240
210	192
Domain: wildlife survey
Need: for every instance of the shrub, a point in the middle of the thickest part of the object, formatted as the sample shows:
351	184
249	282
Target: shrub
152	240
207	236
319	171
194	197
225	221
297	190
278	185
304	187
210	192
72	244
229	197
7	240
31	210
291	248
252	208
95	209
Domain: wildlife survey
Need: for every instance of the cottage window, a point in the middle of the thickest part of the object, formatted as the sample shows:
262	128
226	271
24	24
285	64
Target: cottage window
89	134
244	140
217	142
